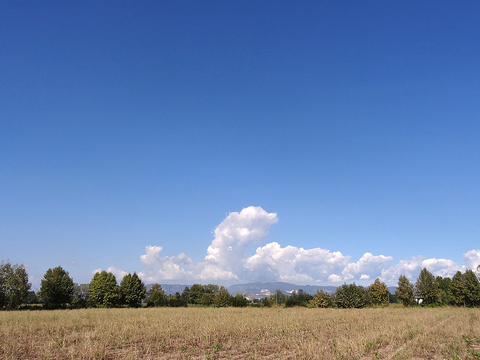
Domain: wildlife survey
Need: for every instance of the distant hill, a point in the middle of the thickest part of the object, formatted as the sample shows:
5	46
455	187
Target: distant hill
258	289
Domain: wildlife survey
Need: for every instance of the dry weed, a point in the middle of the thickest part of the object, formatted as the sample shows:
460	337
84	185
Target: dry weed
248	333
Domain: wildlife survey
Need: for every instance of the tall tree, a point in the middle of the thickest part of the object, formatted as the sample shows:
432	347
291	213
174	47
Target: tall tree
472	286
223	298
14	285
426	288
156	296
459	289
379	292
103	290
445	290
132	290
185	294
195	294
405	290
56	288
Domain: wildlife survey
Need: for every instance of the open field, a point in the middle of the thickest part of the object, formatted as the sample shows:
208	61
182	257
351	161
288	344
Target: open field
241	333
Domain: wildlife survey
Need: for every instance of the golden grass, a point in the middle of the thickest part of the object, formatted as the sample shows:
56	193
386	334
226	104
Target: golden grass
235	333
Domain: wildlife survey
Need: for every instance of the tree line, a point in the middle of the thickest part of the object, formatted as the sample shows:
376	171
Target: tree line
57	291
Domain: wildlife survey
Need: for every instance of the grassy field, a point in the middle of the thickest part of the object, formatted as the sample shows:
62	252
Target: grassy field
241	333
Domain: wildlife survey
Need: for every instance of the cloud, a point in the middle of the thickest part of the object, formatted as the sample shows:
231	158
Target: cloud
292	264
367	266
472	259
411	269
226	260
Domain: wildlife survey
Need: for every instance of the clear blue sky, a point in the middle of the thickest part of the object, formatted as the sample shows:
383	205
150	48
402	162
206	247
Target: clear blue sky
132	124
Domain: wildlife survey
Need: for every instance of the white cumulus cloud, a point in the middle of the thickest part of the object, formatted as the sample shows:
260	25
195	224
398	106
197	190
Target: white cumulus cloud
472	259
226	260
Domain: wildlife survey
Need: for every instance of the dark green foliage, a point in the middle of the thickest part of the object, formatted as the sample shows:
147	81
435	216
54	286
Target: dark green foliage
265	302
14	285
426	288
132	290
195	294
351	296
207	299
223	298
405	290
31	298
445	291
202	294
186	294
298	299
459	288
176	300
210	289
103	290
239	300
156	296
56	288
472	288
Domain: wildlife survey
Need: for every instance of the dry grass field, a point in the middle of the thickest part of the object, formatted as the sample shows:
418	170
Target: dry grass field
241	333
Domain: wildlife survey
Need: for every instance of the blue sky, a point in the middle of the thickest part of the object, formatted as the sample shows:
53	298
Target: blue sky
127	125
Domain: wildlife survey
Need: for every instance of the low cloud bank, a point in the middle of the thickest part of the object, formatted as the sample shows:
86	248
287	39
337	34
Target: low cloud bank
226	260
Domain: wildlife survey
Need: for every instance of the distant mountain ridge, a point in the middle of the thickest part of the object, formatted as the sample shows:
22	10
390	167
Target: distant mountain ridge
259	289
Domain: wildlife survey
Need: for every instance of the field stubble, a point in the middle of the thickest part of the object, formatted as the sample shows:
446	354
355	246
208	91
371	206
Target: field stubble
241	333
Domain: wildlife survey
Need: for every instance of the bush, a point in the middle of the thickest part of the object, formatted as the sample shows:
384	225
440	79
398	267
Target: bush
351	296
239	301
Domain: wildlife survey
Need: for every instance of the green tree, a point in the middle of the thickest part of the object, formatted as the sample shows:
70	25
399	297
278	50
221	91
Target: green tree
14	285
195	294
459	289
239	300
103	290
426	287
156	296
445	290
379	292
207	299
132	290
322	300
176	300
186	294
210	289
351	296
223	298
405	290
31	298
472	287
56	288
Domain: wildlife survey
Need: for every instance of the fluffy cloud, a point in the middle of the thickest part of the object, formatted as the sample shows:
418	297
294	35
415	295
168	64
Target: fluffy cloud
472	259
226	260
368	266
225	255
292	264
411	269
